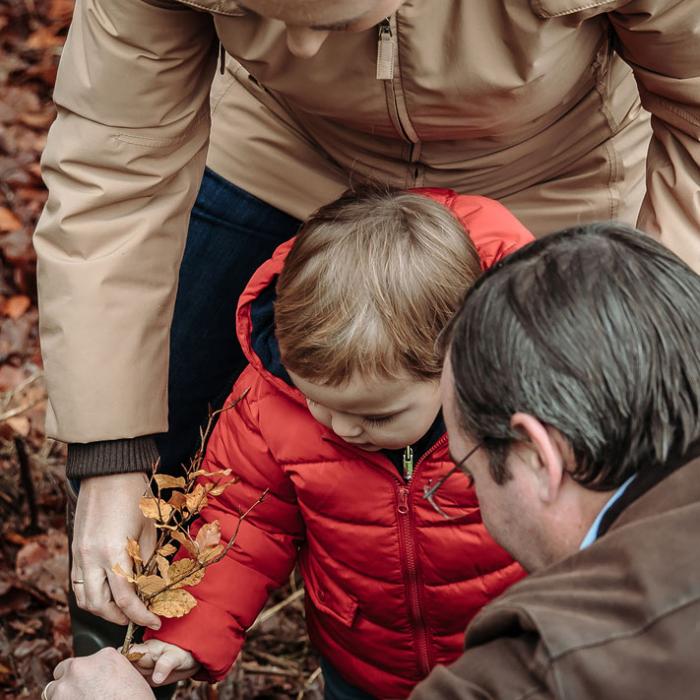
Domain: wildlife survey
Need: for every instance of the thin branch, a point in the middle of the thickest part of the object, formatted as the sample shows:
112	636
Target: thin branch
265	615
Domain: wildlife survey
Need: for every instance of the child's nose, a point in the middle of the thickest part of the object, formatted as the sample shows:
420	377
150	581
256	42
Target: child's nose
345	426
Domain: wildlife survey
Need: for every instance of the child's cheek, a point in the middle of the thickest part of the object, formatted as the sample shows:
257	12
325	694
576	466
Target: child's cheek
320	414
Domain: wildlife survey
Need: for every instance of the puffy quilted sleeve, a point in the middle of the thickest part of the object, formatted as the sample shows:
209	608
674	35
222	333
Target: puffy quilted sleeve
123	163
660	39
235	589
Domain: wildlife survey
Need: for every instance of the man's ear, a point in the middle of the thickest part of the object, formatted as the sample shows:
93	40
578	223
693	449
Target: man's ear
544	453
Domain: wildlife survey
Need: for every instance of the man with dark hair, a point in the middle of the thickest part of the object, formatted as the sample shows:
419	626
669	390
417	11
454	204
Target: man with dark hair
579	412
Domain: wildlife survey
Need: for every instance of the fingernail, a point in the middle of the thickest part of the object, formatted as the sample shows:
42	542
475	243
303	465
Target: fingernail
157	678
155	626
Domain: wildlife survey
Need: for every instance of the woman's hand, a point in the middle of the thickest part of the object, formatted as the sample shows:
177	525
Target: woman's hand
106	515
164	663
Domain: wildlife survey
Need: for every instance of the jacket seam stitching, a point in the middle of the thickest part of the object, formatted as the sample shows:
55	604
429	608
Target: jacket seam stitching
574	9
156	142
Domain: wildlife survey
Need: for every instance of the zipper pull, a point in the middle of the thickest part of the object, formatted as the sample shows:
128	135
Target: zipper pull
408	463
385	52
403	501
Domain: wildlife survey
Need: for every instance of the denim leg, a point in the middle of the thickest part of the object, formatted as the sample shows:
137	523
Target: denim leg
231	234
337	688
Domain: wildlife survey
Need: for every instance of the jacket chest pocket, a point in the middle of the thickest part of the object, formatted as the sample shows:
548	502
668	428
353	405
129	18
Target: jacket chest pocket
328	597
548	9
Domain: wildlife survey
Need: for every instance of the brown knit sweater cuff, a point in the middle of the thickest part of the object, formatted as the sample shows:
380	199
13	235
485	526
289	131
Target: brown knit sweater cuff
137	454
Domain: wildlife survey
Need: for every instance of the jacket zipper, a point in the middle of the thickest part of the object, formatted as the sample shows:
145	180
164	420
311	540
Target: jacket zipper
407	544
387	46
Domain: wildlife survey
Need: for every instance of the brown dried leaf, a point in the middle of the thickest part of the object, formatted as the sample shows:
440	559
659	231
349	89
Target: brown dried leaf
8	221
210	554
177	500
209	536
185	541
172	603
163	566
165	481
218	489
135	656
120	572
187	568
150	508
207	473
196	500
150	585
16	305
167	550
134	550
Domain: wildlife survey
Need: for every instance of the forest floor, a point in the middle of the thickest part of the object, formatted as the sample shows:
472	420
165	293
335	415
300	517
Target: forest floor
34	622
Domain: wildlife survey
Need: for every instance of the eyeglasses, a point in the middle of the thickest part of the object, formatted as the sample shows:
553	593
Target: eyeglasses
431	489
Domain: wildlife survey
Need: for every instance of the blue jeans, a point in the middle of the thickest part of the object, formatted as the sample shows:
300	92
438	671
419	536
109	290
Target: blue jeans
231	234
337	688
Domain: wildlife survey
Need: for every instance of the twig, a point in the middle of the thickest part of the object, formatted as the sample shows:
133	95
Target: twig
128	638
20	409
309	682
25	473
265	615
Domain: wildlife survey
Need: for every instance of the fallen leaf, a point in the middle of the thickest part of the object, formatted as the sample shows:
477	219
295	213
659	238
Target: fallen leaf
20	424
8	221
15	306
155	508
172	603
43	565
165	481
135	656
209	536
187	568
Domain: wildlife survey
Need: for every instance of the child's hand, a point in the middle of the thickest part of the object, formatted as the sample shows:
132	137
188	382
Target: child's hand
164	663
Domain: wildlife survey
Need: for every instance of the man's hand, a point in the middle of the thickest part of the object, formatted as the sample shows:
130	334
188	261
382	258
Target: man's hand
164	663
106	515
106	675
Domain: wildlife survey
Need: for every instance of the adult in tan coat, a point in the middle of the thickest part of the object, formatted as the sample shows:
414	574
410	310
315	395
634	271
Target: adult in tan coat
534	102
592	480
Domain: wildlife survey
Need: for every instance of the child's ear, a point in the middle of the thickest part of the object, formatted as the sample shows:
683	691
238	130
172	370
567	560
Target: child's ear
544	452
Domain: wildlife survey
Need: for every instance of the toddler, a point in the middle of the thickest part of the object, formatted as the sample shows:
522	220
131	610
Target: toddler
341	422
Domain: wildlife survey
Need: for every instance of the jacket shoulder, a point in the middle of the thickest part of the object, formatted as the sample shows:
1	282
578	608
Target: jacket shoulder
493	229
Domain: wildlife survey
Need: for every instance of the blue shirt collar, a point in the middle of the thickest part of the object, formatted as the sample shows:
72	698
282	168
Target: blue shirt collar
592	533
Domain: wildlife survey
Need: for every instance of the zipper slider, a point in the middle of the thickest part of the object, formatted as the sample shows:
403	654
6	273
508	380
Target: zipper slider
408	463
403	501
385	52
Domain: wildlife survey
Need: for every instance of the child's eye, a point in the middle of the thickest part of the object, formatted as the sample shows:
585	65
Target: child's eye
378	420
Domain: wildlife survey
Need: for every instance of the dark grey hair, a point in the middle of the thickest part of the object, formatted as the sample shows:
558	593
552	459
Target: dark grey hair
595	331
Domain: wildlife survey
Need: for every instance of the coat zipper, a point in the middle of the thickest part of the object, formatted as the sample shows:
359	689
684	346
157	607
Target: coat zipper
387	50
408	463
407	544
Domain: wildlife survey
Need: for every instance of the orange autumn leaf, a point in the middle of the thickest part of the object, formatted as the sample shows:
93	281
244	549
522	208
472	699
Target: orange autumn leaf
186	573
155	508
165	481
16	305
8	221
134	550
172	603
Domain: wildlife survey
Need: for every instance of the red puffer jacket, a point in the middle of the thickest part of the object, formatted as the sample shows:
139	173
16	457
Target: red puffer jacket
390	584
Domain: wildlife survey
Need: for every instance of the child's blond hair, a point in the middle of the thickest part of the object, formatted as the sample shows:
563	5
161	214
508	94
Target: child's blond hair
368	286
